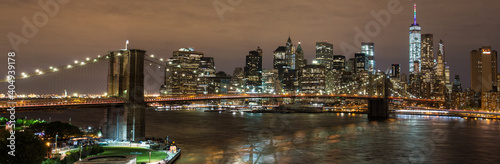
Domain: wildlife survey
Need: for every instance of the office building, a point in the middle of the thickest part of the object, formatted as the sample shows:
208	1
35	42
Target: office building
369	50
427	60
415	42
360	63
395	71
483	69
253	71
312	79
339	63
324	54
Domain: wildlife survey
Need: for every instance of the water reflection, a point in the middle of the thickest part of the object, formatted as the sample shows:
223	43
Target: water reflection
207	137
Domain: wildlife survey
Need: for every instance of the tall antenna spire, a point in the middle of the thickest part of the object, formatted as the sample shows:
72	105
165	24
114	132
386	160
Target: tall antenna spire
415	13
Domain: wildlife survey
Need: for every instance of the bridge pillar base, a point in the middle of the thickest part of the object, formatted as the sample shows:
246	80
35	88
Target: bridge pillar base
378	108
126	123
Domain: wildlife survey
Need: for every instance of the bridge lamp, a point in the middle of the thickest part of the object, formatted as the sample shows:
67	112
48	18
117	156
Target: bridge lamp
152	56
76	61
95	60
88	59
55	69
161	59
37	70
51	67
40	72
69	66
82	63
98	56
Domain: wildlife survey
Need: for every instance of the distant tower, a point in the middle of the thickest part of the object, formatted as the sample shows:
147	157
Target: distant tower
369	50
415	42
457	85
440	68
290	54
299	58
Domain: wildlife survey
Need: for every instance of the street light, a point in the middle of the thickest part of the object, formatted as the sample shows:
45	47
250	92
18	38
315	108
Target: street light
57	135
80	153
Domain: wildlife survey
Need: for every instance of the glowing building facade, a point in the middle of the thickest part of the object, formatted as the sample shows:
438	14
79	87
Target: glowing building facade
415	42
369	50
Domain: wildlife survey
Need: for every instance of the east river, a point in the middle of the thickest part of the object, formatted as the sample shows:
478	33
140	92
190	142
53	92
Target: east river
207	137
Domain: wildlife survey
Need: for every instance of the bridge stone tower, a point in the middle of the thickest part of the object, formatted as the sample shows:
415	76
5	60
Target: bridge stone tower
378	108
126	80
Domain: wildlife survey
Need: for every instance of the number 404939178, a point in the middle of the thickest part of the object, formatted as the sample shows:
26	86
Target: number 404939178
11	73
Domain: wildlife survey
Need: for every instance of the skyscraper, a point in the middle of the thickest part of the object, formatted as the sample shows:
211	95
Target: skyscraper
369	50
427	60
299	57
290	54
457	85
253	71
360	61
280	59
312	79
395	71
483	69
339	63
440	67
415	41
324	54
183	72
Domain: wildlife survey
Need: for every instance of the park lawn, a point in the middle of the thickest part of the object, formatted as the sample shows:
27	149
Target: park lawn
144	157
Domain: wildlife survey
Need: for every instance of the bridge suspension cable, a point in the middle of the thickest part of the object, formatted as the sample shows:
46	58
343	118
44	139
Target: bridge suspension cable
51	69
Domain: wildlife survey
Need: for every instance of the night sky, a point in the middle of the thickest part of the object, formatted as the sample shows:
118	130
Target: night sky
83	29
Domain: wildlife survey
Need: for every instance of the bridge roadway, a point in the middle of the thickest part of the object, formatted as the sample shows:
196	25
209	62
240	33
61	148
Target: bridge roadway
52	103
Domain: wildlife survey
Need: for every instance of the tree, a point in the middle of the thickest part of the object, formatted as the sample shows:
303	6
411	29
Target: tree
64	130
29	148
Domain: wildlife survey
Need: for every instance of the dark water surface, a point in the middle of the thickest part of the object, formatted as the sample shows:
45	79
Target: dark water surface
311	138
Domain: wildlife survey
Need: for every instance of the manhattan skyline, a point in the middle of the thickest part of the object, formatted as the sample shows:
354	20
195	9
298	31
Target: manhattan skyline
86	29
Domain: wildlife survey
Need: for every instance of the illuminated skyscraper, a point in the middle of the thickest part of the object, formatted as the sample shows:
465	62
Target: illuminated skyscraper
290	54
339	63
280	58
427	60
360	61
440	68
415	41
369	50
324	54
299	58
253	71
